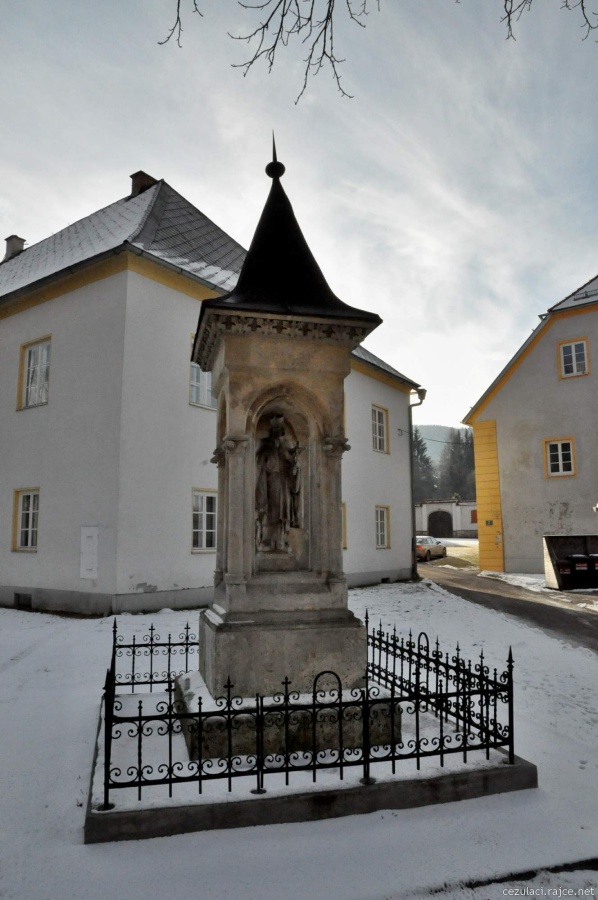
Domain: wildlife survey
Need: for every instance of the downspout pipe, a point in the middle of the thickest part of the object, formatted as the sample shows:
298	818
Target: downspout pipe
421	394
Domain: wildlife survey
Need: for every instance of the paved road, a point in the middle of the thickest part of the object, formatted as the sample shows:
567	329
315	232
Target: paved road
563	617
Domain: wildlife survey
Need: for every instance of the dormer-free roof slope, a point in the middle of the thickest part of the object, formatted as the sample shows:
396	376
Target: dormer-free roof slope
157	223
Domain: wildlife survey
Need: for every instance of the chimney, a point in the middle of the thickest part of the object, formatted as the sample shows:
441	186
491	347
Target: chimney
140	182
14	246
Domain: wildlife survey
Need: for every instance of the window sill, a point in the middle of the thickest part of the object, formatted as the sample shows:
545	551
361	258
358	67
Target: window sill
202	406
207	550
33	406
24	550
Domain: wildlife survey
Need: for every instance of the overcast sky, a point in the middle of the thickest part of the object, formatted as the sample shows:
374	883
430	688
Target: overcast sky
455	195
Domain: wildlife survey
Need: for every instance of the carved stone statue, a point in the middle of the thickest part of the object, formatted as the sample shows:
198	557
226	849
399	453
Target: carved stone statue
277	489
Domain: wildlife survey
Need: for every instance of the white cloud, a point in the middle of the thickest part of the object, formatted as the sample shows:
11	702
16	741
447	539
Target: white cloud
455	194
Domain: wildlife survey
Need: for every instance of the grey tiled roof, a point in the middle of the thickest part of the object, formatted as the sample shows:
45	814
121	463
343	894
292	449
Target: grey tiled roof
158	222
584	296
178	233
365	355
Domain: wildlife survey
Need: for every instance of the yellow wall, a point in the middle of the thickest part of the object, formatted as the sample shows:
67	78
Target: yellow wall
488	496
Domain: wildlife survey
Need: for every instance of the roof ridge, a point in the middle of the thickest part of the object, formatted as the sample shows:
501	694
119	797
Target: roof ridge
195	208
135	235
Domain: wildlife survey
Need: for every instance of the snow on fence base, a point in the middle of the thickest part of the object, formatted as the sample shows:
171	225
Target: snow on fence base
439	712
347	798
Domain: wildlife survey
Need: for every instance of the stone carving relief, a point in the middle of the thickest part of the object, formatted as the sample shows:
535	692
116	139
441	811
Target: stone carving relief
217	324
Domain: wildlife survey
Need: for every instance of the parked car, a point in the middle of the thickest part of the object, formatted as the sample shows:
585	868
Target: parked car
428	548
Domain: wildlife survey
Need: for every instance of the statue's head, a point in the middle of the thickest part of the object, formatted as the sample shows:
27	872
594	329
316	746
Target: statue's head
277	423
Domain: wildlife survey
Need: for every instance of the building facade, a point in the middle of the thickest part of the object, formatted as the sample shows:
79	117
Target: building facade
535	439
108	496
447	518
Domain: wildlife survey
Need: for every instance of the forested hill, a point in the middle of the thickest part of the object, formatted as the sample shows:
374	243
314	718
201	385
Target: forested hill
436	438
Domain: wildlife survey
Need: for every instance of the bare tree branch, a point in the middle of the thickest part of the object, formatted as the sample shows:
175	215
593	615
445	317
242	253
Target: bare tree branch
514	9
177	28
312	21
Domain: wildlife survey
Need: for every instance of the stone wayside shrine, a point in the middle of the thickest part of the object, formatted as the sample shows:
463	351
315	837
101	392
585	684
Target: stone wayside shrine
285	694
278	348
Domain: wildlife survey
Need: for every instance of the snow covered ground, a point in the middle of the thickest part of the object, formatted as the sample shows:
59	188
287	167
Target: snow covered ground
52	672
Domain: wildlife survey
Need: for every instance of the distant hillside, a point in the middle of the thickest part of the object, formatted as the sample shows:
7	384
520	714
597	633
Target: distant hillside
436	437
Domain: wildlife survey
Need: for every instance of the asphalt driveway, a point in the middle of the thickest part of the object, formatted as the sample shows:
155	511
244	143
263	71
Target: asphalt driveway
557	612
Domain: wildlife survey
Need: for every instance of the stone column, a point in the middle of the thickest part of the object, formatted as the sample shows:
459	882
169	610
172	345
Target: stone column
219	458
334	449
235	447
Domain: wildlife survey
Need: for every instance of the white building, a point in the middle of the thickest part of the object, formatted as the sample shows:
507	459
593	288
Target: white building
447	518
107	492
535	439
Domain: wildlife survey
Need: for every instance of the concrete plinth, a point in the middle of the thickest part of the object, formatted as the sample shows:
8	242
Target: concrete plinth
300	806
257	651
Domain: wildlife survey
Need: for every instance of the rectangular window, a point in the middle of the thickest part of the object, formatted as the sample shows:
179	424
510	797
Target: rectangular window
382	528
559	457
200	388
34	374
204	520
380	429
474	517
25	519
573	358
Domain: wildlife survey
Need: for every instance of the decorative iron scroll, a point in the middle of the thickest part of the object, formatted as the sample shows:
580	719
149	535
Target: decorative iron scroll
417	701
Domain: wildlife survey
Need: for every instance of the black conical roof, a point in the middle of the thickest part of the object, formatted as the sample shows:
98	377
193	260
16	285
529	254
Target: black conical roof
280	274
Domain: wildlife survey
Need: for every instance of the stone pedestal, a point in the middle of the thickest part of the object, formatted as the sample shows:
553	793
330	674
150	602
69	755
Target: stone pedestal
258	650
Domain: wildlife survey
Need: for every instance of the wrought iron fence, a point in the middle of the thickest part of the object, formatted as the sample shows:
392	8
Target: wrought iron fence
416	702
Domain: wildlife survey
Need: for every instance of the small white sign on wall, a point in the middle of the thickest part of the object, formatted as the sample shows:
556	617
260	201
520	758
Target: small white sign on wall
89	552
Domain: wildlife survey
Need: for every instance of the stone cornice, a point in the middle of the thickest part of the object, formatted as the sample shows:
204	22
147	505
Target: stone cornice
216	323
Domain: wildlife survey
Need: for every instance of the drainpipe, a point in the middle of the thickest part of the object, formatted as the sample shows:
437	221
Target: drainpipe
421	393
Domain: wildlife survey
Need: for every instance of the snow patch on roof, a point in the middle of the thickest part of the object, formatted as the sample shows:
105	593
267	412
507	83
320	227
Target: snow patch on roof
159	222
104	230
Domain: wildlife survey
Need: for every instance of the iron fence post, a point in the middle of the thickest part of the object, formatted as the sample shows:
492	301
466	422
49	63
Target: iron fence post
108	719
259	745
511	711
366	748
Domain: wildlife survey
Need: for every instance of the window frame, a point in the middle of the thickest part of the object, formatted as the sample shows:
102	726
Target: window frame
24	369
571	342
202	531
382	540
380	441
206	390
559	441
32	527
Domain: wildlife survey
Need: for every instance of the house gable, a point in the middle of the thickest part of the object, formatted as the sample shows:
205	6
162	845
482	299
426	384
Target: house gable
522	354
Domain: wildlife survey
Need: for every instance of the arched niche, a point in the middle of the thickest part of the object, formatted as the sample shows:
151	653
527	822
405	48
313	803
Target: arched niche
284	426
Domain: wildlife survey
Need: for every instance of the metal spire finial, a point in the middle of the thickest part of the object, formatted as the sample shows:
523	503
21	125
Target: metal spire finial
274	169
